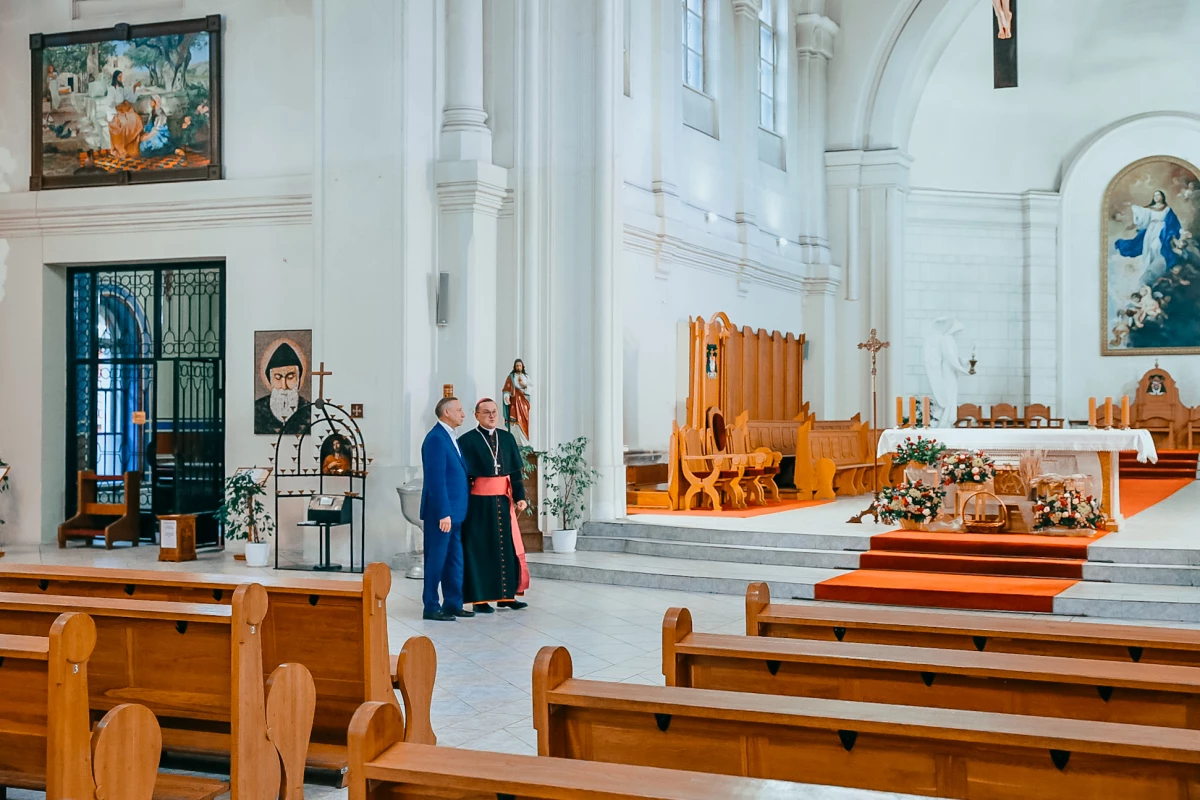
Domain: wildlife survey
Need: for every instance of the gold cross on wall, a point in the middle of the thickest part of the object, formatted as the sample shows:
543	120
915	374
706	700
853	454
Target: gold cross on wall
321	373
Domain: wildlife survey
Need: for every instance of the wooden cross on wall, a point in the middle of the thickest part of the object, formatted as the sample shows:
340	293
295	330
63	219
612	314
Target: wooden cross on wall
1004	44
320	374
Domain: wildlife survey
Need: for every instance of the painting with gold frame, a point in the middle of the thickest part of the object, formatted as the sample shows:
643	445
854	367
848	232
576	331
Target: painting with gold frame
1150	259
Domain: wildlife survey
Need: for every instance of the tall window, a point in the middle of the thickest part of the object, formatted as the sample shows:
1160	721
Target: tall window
768	64
693	44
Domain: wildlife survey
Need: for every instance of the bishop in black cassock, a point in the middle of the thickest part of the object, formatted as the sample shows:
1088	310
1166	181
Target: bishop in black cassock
494	558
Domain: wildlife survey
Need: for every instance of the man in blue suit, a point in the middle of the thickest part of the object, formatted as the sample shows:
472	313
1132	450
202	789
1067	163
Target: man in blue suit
443	509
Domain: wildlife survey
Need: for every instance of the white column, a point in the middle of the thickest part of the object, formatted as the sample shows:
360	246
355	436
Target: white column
608	496
815	34
820	327
666	104
745	35
470	191
465	135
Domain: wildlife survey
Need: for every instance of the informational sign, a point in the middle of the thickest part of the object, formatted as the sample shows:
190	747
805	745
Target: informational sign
167	536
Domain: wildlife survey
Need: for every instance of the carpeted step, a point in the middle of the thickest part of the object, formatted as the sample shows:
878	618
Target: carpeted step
1013	545
937	590
972	565
1172	464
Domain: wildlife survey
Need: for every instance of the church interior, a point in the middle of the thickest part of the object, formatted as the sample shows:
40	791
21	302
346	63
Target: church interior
836	368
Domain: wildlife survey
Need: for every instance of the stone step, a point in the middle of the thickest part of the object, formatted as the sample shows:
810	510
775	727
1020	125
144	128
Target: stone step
1158	574
679	574
1163	556
736	553
758	538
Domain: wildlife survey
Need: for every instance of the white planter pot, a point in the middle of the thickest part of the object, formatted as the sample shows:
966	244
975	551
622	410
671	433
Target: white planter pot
564	541
257	554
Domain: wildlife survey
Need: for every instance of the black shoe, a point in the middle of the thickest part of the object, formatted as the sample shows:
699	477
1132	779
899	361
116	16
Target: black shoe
438	616
515	605
461	612
484	608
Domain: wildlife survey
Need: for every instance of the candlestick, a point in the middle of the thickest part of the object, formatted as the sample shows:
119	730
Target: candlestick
1108	412
912	412
899	412
1091	412
1125	411
925	412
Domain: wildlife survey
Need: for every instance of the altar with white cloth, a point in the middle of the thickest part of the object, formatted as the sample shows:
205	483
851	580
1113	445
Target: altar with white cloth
1095	451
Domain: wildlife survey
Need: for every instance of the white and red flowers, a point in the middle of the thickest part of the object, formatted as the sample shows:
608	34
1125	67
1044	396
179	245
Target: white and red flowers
1071	509
911	500
966	467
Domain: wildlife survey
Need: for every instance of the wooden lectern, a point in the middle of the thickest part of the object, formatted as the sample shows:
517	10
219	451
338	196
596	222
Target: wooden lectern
116	522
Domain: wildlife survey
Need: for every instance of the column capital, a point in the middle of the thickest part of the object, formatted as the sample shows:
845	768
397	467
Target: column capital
815	32
747	8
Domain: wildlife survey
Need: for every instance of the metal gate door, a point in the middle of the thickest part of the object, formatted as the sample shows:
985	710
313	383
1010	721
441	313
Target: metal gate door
145	375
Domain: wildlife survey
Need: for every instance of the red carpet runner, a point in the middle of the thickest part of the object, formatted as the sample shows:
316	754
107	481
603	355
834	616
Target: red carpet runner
1000	572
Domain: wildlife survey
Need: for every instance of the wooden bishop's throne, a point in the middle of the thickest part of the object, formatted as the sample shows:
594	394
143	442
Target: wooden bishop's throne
741	375
1157	408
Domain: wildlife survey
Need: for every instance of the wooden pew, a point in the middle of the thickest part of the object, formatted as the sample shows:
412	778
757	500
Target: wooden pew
956	630
1047	686
930	751
198	668
116	522
383	766
349	660
45	742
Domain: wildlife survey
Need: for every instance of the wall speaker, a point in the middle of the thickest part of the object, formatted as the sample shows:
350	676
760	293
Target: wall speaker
443	299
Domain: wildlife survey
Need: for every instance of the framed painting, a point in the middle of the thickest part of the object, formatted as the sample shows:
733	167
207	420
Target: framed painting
1150	260
282	381
127	104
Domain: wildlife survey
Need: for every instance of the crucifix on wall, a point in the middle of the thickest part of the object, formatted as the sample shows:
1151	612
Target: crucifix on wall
1004	44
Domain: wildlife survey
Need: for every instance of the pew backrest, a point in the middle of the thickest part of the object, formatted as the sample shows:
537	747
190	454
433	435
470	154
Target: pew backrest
956	630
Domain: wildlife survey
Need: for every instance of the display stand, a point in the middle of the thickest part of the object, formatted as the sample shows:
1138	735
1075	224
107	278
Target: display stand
333	440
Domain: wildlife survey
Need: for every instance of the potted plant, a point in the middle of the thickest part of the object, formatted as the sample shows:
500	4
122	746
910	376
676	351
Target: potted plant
568	476
966	473
244	516
914	504
919	458
1068	512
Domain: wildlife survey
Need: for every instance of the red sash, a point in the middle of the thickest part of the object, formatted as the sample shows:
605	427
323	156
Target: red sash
502	487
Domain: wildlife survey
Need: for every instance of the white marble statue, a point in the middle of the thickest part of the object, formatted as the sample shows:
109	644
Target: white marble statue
942	366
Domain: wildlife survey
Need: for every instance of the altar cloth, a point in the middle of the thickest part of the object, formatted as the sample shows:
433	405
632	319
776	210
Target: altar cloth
1059	440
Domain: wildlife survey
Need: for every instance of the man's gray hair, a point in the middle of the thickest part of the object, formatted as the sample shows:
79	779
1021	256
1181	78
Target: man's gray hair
441	405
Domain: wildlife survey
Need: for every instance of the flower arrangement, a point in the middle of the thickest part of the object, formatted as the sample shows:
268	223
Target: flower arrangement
922	451
965	467
915	501
1070	509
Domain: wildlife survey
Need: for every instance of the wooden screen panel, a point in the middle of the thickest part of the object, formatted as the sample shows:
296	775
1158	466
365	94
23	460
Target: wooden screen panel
791	377
734	358
777	375
749	372
762	387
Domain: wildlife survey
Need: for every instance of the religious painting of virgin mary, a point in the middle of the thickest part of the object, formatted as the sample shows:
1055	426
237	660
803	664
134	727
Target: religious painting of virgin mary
1150	262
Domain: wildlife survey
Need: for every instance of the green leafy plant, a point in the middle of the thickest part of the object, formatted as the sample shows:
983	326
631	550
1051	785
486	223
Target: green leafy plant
3	481
528	467
568	476
922	451
243	514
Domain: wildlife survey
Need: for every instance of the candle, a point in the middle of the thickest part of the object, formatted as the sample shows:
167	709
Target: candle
899	412
1091	412
925	412
912	412
1108	412
1125	411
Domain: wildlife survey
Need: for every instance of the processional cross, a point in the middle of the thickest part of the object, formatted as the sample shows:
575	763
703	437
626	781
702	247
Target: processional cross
872	345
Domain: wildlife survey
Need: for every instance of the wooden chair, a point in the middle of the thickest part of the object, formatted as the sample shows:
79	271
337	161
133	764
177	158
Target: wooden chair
970	416
1193	430
385	766
931	751
710	475
45	739
196	667
762	463
116	522
1039	416
349	662
959	631
1004	415
1148	694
